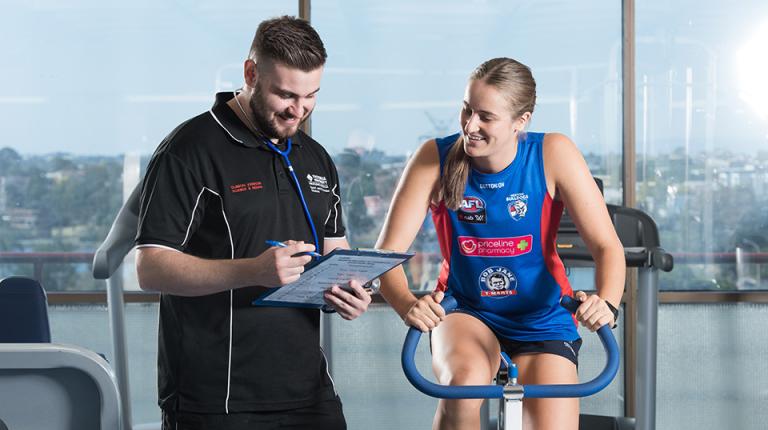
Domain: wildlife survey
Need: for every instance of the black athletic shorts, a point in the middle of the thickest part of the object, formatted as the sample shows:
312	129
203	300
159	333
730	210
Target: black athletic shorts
326	415
563	348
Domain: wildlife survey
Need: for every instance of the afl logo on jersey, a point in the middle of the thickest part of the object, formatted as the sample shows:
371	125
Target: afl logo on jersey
498	282
472	210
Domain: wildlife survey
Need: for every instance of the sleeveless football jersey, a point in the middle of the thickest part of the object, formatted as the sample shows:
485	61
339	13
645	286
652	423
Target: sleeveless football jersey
498	248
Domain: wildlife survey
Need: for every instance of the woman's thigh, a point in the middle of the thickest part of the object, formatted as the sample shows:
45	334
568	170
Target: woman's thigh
548	414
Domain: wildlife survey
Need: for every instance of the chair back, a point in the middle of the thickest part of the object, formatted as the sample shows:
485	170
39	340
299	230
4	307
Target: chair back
23	311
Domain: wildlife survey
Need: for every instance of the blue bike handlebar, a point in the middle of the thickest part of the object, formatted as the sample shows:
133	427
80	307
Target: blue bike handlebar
497	391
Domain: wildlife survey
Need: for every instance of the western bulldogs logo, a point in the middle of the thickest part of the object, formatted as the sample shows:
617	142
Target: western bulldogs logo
472	210
517	206
498	282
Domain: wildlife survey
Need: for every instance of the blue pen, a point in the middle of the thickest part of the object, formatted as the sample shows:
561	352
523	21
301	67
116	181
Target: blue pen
282	245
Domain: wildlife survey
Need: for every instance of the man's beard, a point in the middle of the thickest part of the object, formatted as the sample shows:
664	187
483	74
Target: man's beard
268	127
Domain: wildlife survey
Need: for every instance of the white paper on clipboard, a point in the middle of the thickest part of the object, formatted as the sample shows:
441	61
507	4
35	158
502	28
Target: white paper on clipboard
336	268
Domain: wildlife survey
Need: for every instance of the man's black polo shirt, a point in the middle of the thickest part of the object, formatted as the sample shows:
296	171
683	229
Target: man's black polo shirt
215	191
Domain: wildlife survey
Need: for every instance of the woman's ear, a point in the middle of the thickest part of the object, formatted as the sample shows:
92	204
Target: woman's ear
523	120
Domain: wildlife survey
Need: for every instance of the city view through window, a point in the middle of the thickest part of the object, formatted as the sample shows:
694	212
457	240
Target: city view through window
85	102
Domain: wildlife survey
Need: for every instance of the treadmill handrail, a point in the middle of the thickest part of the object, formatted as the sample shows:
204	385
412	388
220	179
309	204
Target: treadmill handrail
120	238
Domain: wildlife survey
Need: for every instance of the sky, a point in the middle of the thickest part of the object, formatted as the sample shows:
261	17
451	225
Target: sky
90	77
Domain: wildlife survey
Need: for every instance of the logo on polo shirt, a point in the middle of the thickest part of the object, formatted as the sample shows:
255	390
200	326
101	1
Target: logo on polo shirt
248	186
317	183
495	246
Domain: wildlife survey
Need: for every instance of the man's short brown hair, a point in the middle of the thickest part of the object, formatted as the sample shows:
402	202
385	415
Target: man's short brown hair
288	40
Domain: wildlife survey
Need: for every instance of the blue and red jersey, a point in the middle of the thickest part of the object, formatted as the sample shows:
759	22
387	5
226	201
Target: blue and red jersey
498	248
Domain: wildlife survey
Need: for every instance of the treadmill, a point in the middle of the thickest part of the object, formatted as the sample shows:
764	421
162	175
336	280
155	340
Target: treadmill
639	235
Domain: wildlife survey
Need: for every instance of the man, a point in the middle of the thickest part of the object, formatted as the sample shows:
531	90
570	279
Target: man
217	188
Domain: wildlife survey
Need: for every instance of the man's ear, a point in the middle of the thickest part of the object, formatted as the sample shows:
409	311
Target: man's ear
250	73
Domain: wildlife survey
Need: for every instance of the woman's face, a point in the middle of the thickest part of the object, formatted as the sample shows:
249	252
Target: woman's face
487	125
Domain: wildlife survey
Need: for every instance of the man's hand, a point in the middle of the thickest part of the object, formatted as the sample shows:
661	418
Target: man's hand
281	266
349	305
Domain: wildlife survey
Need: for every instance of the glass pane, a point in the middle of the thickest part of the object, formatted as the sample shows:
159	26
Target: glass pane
702	125
87	326
88	89
396	74
712	371
610	401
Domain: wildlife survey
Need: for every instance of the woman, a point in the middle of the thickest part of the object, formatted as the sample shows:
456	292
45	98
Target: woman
496	195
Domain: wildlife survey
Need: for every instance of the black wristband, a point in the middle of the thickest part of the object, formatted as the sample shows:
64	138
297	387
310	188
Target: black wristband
615	313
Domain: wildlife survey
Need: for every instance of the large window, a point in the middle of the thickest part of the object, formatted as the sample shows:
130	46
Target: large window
88	90
396	75
395	78
702	138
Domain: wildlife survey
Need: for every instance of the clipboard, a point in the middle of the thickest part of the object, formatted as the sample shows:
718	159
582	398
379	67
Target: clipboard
335	268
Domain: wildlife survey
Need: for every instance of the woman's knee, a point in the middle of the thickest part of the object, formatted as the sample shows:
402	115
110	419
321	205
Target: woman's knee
464	374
